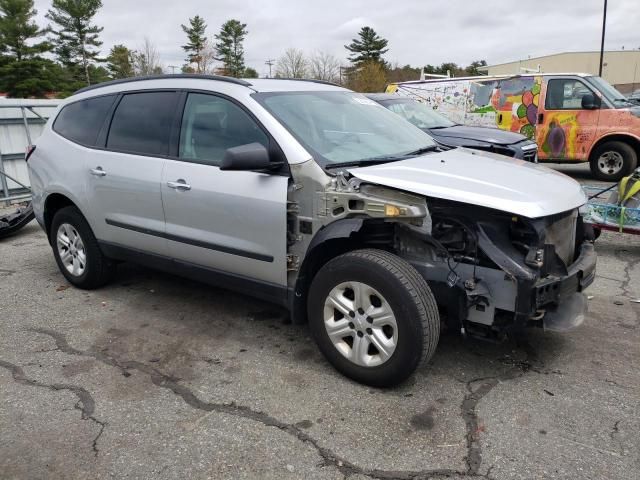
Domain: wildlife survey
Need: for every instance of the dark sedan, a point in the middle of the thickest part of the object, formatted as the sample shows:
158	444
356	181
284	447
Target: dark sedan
451	134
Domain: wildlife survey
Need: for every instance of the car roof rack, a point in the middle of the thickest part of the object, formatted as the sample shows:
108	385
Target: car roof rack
312	80
182	76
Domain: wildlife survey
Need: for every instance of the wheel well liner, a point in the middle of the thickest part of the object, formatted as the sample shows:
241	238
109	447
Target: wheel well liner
52	204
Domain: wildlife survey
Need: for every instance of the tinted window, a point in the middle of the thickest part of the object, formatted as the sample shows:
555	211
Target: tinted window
211	125
565	94
142	123
81	121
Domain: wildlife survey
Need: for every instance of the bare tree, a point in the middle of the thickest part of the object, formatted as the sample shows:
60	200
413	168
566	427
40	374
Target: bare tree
208	57
324	66
292	64
146	59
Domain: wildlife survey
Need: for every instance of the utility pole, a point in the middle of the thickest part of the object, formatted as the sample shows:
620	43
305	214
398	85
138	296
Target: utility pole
271	62
173	69
604	26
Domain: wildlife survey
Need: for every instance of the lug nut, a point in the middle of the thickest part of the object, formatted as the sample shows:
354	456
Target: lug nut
370	319
352	314
351	325
369	331
360	334
360	311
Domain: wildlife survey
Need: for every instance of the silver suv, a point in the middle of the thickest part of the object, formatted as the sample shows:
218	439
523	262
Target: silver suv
317	198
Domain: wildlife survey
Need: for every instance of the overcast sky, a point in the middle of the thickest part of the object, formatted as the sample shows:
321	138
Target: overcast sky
419	31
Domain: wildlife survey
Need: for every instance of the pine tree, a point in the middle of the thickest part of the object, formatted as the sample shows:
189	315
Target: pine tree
197	41
75	37
18	30
368	48
229	47
120	62
23	72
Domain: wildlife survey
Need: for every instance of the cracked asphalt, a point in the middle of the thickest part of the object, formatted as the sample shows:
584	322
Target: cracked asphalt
157	377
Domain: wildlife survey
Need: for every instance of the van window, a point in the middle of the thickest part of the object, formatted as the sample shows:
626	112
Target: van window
142	123
81	121
565	94
211	125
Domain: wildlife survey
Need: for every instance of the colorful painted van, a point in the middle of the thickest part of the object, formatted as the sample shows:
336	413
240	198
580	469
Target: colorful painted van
572	117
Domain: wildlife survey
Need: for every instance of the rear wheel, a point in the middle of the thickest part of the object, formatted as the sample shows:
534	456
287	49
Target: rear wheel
76	250
373	317
613	160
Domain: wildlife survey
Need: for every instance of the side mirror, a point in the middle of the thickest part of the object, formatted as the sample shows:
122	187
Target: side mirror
252	156
590	102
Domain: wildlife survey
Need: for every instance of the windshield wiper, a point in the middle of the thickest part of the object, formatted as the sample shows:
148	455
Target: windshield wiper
420	151
361	163
384	159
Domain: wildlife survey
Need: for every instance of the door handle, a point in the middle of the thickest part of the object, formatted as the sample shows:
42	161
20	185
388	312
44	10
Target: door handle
179	185
98	172
540	118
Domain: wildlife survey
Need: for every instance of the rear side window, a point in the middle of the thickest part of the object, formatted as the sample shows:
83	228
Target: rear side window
81	121
142	123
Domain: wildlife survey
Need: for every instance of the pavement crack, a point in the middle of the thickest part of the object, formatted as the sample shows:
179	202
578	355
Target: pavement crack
629	264
85	404
478	389
328	456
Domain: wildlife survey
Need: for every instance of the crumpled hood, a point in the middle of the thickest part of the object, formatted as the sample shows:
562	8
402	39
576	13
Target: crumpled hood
480	134
482	179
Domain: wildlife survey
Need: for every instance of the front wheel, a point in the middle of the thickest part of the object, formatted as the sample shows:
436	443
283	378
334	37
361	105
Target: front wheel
613	160
373	317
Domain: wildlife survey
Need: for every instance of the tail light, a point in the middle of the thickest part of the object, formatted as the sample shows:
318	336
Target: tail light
29	152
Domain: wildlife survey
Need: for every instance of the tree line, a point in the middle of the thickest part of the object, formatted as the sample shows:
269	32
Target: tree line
63	56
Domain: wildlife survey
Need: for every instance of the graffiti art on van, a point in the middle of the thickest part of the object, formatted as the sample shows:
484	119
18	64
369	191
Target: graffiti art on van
516	103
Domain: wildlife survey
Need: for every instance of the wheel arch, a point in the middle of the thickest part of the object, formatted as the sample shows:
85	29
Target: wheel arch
331	241
52	204
627	138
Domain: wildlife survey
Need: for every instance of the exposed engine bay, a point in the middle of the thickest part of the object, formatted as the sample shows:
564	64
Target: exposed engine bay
490	271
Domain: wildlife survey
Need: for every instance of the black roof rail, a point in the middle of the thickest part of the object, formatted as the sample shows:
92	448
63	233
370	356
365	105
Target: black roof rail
312	80
219	78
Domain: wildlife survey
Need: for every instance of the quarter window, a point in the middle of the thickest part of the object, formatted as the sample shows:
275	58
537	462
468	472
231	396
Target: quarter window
211	125
142	123
81	121
565	94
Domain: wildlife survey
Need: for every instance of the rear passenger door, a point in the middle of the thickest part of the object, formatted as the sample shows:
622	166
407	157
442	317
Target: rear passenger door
124	178
227	221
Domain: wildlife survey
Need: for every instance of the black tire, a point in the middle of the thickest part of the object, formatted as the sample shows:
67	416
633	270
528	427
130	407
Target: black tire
408	295
98	269
622	149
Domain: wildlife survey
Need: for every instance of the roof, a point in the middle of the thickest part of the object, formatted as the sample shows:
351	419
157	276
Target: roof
489	77
558	54
256	84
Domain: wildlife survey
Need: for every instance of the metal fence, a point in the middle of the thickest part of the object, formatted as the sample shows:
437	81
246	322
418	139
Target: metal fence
21	123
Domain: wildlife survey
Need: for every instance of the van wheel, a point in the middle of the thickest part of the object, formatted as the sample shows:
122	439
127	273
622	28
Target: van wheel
613	160
76	250
373	317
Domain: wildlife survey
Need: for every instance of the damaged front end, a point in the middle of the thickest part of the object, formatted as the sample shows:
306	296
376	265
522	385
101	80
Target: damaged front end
493	272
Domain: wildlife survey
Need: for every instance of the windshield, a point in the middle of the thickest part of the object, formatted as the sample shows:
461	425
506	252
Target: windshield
609	92
345	127
418	114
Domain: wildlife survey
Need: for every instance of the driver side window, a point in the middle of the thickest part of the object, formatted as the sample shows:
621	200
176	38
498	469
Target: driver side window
211	125
565	94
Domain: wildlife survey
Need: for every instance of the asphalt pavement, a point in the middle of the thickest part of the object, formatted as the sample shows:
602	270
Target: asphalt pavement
157	377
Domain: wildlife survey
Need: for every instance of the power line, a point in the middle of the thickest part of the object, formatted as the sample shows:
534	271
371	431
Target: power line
271	62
